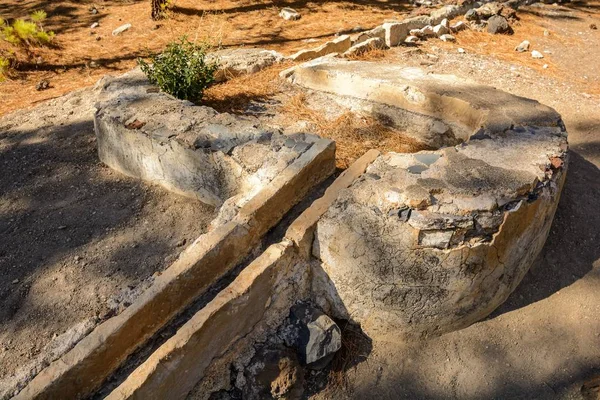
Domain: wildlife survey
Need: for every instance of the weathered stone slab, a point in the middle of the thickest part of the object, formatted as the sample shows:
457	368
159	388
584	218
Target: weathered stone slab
365	46
208	258
377	32
471	108
247	310
338	45
191	150
301	231
175	368
429	242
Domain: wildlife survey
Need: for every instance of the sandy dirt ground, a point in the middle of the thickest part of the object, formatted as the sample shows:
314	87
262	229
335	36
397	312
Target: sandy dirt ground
77	240
80	58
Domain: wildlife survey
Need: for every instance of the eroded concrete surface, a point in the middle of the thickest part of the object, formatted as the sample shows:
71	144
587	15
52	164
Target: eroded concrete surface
431	242
191	150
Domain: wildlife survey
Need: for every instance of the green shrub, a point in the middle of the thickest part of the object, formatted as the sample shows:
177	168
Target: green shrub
38	16
181	70
27	33
4	66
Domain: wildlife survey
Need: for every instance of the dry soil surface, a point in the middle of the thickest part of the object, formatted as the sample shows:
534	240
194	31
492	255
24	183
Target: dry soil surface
77	240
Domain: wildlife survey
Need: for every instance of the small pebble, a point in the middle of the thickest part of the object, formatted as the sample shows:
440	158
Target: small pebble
523	46
536	54
461	50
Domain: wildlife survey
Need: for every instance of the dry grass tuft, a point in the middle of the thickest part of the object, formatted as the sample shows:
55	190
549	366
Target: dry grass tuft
235	94
353	134
369	55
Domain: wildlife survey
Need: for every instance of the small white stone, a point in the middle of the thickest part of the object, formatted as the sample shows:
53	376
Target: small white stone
427	30
447	38
445	23
545	66
94	25
289	14
523	47
411	39
121	29
459	26
536	54
440	30
461	50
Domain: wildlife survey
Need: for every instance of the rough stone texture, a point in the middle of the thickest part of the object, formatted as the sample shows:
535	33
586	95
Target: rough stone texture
498	24
191	150
121	29
461	109
440	30
208	258
318	336
434	241
301	231
448	12
242	61
523	46
411	39
397	32
275	373
364	46
338	45
289	14
471	15
489	9
447	38
377	32
211	256
458	26
259	298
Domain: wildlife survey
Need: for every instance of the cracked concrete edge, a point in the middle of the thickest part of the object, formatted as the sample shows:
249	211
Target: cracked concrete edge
208	258
290	186
301	231
183	360
173	370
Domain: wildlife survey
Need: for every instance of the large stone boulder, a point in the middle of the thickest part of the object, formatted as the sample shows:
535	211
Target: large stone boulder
433	241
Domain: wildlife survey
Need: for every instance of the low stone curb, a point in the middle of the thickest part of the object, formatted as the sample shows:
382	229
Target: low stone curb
210	257
260	289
